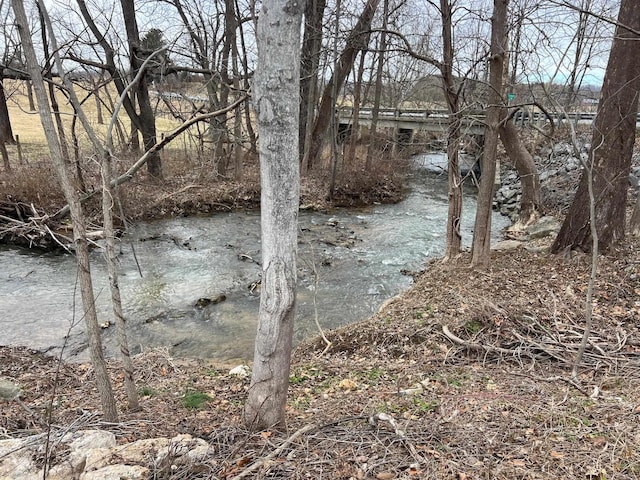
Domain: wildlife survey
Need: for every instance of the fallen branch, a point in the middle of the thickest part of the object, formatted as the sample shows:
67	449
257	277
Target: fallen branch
472	345
264	460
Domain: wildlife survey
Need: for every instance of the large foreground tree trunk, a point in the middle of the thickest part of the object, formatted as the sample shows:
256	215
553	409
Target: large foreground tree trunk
614	131
277	93
481	248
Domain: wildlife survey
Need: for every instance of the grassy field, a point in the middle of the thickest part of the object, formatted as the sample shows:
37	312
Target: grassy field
28	129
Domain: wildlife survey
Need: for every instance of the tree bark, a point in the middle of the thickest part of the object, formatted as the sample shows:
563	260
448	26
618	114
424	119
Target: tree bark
146	116
77	216
377	93
481	248
530	204
355	43
355	119
614	132
6	132
311	45
277	90
108	202
454	215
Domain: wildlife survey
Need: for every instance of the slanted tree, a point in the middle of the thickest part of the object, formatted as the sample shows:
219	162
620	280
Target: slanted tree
276	99
531	203
613	138
108	205
355	42
77	217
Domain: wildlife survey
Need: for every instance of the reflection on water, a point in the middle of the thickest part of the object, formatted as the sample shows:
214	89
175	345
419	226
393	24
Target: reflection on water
350	260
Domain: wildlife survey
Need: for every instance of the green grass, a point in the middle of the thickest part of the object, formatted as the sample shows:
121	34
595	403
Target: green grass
194	400
146	391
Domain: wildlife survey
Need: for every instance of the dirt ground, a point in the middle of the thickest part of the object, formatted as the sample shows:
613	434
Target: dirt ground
465	376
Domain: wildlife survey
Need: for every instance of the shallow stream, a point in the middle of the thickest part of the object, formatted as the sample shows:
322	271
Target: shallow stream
350	261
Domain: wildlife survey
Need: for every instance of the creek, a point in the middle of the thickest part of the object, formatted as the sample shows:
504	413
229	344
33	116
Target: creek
350	262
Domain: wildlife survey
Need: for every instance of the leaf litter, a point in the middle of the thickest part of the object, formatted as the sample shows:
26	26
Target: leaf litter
465	376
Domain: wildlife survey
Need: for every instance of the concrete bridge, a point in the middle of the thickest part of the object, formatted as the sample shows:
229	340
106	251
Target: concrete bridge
436	121
407	121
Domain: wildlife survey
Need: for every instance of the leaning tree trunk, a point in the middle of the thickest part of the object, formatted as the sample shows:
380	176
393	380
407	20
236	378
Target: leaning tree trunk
530	204
276	98
311	45
77	217
614	132
481	248
355	43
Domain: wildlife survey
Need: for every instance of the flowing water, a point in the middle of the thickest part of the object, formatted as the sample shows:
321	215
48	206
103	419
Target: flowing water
350	261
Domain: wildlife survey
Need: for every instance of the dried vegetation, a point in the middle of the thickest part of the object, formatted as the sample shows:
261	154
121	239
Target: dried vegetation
465	376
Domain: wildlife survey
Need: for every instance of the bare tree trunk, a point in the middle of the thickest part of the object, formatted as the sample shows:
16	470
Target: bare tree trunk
147	121
77	216
354	44
355	120
614	132
6	132
523	161
277	90
96	94
253	143
237	119
334	116
32	103
454	214
107	204
481	248
378	88
5	156
64	146
311	45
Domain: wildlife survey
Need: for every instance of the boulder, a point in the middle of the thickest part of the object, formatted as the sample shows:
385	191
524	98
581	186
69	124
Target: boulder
506	245
94	455
544	227
16	459
117	472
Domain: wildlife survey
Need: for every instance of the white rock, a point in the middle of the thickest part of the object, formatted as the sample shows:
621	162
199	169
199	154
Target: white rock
87	439
506	245
15	459
143	451
117	472
241	371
